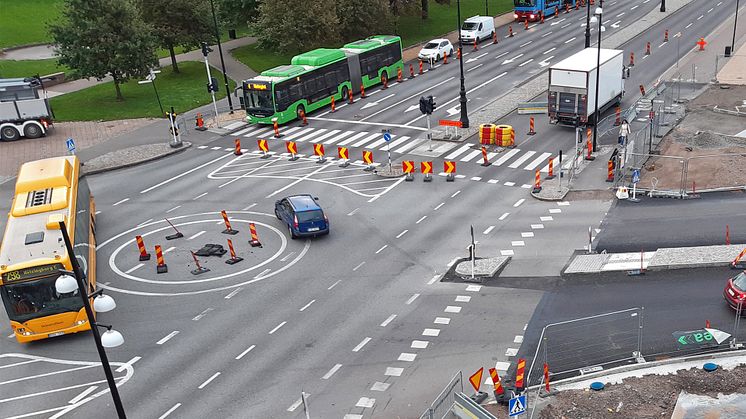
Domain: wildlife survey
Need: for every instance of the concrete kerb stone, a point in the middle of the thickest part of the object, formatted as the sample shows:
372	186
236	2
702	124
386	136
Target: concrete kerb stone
483	268
505	104
551	190
130	156
694	257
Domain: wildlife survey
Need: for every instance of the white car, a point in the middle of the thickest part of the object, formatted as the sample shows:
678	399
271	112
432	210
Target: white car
435	50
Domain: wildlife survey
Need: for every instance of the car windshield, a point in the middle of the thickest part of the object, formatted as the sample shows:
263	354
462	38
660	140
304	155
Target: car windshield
739	281
470	26
31	299
313	215
524	3
430	45
259	100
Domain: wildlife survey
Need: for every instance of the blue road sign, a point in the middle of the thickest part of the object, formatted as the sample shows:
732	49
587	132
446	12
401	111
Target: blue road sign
635	175
517	405
70	145
387	136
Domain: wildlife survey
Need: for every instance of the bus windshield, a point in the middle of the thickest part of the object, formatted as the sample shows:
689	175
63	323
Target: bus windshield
37	298
524	3
259	100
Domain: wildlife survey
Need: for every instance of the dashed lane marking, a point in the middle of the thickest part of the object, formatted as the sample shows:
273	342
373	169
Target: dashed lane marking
167	337
331	372
411	299
361	344
242	354
209	380
407	357
442	320
307	305
388	320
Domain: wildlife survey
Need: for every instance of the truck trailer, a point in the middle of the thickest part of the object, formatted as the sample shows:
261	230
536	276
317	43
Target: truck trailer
572	86
24	109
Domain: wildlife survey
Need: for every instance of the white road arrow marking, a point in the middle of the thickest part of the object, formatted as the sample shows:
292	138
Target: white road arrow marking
512	59
615	25
371	104
411	108
454	110
546	62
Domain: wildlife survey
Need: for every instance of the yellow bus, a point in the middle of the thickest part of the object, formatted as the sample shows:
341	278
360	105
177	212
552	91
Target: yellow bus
33	252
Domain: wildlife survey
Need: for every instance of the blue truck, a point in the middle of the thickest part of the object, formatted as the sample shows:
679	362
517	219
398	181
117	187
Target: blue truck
532	10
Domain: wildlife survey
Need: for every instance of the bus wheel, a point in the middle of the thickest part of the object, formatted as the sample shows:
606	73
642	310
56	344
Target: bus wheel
32	131
300	110
345	93
9	134
384	77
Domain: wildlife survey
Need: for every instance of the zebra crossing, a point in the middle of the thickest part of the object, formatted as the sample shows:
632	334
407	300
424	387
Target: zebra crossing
515	158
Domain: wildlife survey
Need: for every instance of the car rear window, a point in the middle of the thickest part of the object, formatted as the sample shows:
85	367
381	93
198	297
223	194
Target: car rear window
431	45
740	281
314	215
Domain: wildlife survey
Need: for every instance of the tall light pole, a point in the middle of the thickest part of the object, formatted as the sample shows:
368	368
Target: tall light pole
67	283
663	5
486	8
220	51
462	93
735	25
597	16
588	24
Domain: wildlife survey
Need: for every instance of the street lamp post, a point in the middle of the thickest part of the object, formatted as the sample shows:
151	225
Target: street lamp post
486	8
588	24
735	25
67	283
462	92
150	78
663	5
220	51
597	16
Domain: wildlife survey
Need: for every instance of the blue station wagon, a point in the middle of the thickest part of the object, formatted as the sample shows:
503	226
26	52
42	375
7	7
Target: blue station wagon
303	216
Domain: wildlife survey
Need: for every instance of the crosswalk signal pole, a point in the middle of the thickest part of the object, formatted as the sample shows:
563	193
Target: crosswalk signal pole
429	135
210	86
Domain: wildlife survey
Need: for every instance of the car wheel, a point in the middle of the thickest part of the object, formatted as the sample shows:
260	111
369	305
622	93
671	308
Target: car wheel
277	214
292	233
32	131
451	54
9	134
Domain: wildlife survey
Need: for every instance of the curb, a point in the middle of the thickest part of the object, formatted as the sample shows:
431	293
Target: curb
186	144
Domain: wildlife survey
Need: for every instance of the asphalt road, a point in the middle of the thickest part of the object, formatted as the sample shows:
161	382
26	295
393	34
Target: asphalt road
660	302
658	222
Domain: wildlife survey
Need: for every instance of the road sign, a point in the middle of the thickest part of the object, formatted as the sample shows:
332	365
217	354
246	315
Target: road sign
387	136
476	379
636	176
517	405
700	338
449	166
426	167
70	143
408	166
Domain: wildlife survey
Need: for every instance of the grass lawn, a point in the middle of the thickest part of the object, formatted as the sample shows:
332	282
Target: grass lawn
183	91
27	68
25	22
412	29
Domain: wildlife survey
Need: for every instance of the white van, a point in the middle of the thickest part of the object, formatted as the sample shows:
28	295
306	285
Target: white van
477	28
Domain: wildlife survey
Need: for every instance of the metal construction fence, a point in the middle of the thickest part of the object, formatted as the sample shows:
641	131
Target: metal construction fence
441	406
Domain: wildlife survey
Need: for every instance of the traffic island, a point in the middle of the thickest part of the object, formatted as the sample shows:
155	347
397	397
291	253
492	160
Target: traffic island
552	189
130	156
389	171
484	269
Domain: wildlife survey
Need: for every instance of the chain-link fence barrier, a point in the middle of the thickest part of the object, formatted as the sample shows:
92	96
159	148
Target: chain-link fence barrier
441	406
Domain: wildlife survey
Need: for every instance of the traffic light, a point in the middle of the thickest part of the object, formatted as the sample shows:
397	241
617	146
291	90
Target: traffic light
205	49
430	104
212	86
423	105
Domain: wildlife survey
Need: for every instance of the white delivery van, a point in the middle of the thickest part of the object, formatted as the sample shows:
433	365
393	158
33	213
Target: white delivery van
477	28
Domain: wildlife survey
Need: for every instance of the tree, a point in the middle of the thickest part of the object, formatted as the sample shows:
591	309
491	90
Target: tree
297	25
237	13
96	38
425	9
362	18
183	23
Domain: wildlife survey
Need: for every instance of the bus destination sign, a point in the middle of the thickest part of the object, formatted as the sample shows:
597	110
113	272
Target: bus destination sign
30	273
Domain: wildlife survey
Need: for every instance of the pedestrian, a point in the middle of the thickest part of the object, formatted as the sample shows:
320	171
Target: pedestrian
623	132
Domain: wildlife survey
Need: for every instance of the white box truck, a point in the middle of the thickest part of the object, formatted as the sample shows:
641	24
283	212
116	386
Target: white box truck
572	86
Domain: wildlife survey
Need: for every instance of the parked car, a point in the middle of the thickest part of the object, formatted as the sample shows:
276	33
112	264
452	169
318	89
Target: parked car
735	291
477	28
303	216
436	50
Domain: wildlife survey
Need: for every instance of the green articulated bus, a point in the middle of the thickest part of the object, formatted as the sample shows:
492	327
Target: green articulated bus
314	77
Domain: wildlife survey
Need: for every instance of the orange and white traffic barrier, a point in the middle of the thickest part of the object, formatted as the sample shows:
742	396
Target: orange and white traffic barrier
161	268
144	255
556	11
642	90
237	147
567	8
631	59
494	37
233	259
665	36
647	48
318	150
351	95
303	119
263	147
546	377
276	128
577	5
292	148
408	168
531	130
485	159
343	155
385	81
368	160
550	169
499	390
618	114
450	168
228	228
411	71
254	242
199	123
510	31
476	45
334	106
589	146
421	71
426	167
362	91
520	373
736	264
199	269
445	58
610	171
398	75
458	53
537	181
542	18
